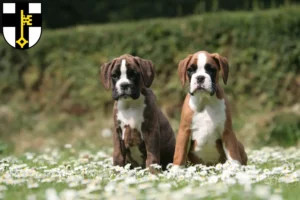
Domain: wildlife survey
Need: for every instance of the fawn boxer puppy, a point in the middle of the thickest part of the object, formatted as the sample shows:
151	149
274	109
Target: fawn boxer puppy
205	133
142	133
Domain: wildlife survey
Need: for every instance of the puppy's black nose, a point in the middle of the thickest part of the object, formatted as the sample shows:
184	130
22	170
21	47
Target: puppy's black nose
200	79
124	86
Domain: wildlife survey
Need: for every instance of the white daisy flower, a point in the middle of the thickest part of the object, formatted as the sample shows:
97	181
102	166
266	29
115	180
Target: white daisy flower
51	194
262	191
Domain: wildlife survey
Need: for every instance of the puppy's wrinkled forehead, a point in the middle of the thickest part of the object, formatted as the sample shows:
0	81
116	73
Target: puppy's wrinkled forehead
125	61
201	58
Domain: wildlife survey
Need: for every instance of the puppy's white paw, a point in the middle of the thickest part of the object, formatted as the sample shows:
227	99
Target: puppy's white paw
235	162
175	168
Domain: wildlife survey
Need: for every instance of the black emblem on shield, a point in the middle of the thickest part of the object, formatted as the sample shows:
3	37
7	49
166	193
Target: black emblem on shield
22	24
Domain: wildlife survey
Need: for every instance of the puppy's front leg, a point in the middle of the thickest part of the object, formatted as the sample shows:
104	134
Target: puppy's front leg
181	148
118	153
152	143
183	138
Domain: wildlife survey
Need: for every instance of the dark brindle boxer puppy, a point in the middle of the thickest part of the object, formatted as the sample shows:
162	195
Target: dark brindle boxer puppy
142	134
205	134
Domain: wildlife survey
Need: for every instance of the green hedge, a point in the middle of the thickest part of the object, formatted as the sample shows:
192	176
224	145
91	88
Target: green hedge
263	49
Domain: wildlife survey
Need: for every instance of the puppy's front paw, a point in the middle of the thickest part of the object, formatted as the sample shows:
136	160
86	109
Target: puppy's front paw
155	168
175	168
235	162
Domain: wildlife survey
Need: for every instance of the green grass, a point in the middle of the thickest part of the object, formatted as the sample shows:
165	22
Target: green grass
72	174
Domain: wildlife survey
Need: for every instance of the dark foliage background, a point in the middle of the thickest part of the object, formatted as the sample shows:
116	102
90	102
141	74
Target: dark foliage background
63	13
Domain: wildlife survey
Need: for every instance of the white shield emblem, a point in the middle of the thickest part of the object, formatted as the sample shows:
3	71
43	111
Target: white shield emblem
22	24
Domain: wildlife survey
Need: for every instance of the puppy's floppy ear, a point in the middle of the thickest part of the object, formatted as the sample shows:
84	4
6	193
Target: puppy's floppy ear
105	72
147	70
182	67
223	66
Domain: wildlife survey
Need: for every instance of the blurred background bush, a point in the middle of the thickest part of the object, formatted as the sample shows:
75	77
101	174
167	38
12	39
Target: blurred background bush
51	94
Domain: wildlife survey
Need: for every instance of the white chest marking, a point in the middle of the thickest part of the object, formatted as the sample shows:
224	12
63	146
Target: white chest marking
131	112
207	125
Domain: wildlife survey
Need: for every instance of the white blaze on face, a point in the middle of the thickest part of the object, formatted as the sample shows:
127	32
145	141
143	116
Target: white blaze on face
123	77
202	59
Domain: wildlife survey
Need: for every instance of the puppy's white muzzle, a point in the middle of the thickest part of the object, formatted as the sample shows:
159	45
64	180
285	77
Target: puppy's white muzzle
200	81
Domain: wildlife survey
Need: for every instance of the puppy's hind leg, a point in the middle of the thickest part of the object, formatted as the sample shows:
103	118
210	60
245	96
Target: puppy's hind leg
243	153
231	147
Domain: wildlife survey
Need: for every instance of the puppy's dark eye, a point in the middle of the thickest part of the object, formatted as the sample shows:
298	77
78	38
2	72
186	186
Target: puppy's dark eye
135	73
209	68
114	76
190	71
